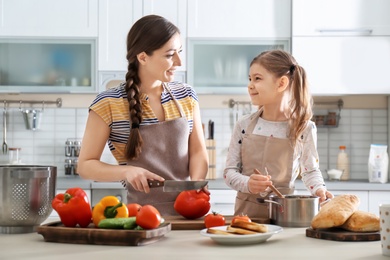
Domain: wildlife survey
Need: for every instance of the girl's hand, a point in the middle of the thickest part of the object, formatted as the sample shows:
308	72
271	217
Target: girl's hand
258	183
324	195
138	178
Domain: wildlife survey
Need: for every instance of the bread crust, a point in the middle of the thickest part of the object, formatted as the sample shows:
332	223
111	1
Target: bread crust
336	212
256	227
361	221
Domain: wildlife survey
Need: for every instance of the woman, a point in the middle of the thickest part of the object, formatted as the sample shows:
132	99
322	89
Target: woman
278	142
152	124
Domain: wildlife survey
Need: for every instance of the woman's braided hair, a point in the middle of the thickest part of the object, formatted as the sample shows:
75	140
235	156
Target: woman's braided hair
148	34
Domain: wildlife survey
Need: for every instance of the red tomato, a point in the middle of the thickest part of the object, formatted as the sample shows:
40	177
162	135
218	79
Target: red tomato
148	217
214	220
133	209
192	204
241	218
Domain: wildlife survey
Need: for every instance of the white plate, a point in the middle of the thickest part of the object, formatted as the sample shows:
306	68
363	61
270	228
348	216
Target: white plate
242	239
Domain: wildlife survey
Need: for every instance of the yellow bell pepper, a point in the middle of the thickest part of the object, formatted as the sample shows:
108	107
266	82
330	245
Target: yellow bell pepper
109	207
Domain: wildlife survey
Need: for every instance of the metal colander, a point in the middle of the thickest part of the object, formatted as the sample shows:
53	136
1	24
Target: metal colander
26	193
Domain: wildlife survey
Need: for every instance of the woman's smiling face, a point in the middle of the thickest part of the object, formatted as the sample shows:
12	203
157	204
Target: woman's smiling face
163	62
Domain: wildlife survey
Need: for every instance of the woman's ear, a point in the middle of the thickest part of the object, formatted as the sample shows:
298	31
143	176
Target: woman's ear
141	57
283	83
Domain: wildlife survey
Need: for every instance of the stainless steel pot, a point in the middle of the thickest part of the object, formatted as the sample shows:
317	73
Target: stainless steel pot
26	195
293	210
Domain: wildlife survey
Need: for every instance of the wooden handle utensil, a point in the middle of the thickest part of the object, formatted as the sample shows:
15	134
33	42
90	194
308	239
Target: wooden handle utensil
272	187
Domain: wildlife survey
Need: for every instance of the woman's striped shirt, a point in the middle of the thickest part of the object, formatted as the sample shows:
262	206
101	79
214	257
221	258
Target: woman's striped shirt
113	107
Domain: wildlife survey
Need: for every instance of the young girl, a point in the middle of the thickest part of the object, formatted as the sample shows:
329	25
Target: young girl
152	124
278	142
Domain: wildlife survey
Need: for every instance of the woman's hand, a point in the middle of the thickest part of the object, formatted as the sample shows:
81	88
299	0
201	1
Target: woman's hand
258	183
138	178
324	194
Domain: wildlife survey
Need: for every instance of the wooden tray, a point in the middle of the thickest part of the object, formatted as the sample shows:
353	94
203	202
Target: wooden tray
57	232
338	234
181	223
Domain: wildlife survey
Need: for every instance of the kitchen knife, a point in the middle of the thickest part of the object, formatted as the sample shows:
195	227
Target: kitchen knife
172	186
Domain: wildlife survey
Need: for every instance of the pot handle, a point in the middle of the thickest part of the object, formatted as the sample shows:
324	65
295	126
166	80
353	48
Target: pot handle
262	200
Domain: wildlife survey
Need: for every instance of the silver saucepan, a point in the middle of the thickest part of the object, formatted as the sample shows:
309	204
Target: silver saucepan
292	210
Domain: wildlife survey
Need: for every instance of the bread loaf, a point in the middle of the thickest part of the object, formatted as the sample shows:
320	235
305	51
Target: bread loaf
336	212
362	221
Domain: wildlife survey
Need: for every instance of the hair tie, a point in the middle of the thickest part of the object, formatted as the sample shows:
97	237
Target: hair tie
134	125
292	69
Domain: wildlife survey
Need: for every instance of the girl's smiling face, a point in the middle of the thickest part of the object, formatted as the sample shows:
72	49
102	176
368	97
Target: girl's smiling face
262	86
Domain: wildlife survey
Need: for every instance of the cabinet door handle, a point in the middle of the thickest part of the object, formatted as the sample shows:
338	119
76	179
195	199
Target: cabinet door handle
345	31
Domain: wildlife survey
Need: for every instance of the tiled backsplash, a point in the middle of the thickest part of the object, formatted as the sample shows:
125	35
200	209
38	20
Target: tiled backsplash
358	129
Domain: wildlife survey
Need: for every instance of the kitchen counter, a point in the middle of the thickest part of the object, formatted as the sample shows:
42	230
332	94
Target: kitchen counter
291	243
64	183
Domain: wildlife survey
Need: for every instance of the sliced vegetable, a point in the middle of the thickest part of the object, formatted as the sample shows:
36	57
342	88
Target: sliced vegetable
109	207
73	207
118	223
214	219
148	217
192	204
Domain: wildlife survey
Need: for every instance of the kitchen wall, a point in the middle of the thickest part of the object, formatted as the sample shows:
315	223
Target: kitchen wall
358	128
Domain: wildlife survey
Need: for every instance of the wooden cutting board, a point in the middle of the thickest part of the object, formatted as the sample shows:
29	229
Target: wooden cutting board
57	232
181	223
338	234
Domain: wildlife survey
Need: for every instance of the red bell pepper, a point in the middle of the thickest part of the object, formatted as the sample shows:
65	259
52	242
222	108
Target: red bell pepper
192	204
73	207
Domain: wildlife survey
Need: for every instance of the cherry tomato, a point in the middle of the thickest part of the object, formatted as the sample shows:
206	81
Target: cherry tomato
148	217
214	220
241	218
133	209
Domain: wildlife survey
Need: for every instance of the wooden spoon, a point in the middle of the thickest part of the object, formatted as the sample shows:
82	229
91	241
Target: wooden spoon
272	187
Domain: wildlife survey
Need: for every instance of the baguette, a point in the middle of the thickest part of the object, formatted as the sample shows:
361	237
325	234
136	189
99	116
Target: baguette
335	212
252	226
362	221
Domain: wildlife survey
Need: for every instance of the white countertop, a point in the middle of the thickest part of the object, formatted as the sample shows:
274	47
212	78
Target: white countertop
64	183
291	243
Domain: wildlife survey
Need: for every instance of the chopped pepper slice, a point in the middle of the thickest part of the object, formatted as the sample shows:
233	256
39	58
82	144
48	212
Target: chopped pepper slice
109	207
73	207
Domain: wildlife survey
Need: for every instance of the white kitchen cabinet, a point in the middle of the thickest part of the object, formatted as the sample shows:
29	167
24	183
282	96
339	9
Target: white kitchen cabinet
222	201
344	65
376	197
55	214
334	17
48	18
116	19
344	46
246	18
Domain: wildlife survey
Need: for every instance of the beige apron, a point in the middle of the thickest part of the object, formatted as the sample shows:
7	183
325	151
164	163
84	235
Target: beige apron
164	152
259	152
